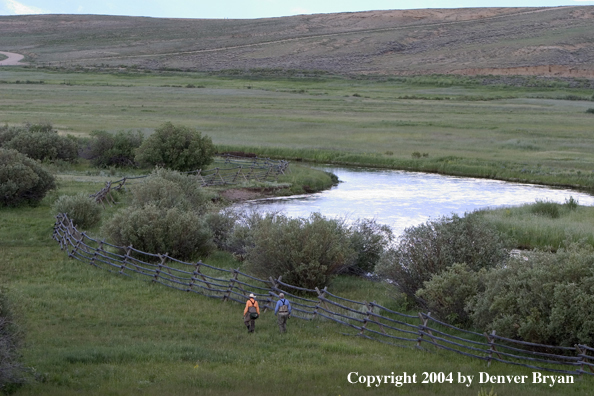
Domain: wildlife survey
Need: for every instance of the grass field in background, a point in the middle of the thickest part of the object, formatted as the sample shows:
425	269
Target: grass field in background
428	124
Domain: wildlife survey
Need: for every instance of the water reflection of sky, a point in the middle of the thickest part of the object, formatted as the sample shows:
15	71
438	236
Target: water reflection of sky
403	199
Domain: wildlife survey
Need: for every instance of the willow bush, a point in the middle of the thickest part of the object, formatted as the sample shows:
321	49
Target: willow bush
176	147
22	180
81	209
119	150
540	297
41	142
167	189
306	252
430	248
182	234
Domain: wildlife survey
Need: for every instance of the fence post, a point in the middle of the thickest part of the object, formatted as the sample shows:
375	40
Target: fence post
582	354
237	174
161	264
320	296
364	326
273	291
372	304
231	283
123	266
421	327
78	242
92	262
491	342
197	272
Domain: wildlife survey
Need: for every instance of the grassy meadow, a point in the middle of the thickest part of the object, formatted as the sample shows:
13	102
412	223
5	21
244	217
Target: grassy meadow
450	125
95	333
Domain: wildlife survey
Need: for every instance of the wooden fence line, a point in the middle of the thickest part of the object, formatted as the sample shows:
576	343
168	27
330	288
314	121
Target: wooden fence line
368	319
241	169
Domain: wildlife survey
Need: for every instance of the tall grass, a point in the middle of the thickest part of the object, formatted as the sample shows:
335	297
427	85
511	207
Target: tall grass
546	225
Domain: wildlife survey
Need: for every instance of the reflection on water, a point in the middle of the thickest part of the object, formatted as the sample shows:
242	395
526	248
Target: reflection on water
403	199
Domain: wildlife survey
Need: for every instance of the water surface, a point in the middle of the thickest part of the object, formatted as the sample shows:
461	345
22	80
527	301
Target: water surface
402	199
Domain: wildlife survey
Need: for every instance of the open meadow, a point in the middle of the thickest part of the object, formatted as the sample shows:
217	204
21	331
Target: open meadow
95	333
532	130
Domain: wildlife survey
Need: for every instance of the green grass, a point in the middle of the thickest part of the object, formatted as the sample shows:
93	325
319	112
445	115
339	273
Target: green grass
95	333
544	225
523	134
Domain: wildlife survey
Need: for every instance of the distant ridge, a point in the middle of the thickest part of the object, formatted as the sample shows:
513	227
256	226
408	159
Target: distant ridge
555	41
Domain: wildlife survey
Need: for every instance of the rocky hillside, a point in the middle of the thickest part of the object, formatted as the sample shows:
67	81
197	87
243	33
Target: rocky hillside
510	41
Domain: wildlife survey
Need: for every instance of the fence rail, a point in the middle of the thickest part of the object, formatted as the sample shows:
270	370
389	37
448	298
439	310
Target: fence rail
232	170
368	319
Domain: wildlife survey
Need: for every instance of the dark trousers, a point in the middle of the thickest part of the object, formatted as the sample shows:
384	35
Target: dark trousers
249	322
282	322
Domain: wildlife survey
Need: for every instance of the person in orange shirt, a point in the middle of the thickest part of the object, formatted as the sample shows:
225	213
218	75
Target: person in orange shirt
251	313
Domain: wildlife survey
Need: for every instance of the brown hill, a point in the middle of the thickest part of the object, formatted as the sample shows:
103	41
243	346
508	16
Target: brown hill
534	41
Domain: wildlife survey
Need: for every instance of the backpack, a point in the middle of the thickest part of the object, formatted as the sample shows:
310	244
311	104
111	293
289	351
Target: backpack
252	311
283	310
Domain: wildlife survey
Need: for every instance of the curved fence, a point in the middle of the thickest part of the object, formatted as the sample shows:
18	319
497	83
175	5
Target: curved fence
364	319
232	170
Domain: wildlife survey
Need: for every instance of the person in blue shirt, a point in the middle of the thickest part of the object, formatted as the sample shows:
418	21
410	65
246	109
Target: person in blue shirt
283	312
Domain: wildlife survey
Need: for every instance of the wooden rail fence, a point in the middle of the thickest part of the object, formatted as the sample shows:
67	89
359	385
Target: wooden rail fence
368	319
232	170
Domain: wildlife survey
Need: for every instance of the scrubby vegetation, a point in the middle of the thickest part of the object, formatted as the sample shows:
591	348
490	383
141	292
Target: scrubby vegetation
166	215
39	141
22	180
176	147
305	252
119	150
80	208
431	248
540	297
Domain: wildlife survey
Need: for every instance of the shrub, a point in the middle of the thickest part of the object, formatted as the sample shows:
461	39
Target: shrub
546	208
446	294
22	180
11	370
540	297
117	150
221	225
40	141
428	249
176	147
590	111
369	240
571	203
8	133
241	238
181	234
81	209
305	252
167	189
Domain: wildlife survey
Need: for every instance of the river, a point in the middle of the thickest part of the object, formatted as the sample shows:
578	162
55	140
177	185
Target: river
402	199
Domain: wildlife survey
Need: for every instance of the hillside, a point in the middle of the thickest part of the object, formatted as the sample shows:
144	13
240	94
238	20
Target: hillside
534	41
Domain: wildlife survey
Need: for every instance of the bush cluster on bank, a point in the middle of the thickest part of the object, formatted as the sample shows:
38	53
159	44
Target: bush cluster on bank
461	270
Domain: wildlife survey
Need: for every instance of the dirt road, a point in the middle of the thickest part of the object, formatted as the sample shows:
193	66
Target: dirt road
12	60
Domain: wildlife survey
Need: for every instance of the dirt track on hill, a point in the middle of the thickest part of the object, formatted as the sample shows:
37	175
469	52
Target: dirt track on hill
543	41
12	60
